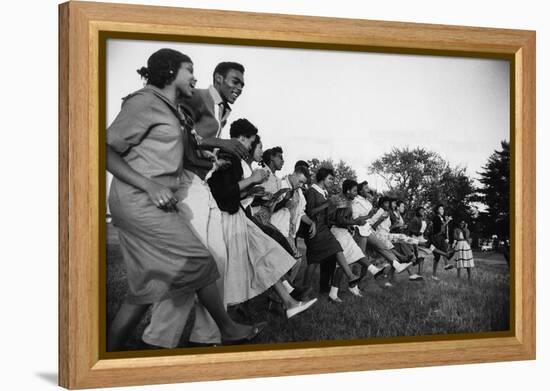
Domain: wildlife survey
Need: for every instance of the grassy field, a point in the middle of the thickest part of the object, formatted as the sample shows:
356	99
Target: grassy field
410	308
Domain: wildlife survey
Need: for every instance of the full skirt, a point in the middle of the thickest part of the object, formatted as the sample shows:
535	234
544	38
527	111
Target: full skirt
463	255
352	252
254	260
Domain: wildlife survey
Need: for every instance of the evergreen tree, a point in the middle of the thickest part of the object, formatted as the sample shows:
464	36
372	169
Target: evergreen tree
495	193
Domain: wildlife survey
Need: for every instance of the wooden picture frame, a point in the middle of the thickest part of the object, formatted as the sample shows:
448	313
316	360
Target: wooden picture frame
83	25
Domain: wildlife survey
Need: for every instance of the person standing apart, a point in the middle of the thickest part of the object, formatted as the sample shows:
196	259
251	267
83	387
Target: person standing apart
463	252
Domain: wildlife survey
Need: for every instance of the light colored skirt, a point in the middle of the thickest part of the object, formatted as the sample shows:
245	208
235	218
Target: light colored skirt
254	261
463	255
352	252
388	239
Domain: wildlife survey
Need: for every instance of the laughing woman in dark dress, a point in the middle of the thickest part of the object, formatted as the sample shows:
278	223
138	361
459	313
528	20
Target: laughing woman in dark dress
323	246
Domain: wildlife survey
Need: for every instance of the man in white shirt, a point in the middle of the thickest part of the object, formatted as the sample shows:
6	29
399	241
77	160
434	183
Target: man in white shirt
291	211
210	109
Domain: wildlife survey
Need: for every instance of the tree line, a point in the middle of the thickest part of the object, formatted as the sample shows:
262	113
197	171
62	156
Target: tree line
423	178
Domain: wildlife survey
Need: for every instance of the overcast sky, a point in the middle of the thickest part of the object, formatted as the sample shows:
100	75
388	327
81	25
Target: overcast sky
350	106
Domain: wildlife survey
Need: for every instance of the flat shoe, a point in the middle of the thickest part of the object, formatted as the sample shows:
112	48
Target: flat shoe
379	273
356	293
301	293
256	330
402	267
449	266
336	300
354	282
301	307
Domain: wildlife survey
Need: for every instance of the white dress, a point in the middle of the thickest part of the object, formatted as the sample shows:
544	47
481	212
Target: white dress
463	253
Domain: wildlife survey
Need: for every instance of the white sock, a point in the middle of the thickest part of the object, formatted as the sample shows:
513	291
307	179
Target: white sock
355	290
289	288
372	269
333	292
396	265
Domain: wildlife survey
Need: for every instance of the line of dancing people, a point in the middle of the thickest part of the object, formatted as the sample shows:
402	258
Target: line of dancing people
201	226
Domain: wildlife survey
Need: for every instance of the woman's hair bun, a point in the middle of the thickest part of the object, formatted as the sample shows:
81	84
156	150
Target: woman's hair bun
143	72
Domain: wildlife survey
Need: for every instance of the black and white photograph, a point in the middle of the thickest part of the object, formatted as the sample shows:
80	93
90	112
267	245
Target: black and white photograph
264	195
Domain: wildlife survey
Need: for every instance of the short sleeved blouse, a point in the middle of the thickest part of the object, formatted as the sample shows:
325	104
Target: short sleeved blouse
147	133
162	254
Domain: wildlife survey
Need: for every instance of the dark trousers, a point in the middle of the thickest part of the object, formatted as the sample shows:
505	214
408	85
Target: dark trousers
325	276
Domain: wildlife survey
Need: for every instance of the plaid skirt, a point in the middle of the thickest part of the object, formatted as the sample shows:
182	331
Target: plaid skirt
464	257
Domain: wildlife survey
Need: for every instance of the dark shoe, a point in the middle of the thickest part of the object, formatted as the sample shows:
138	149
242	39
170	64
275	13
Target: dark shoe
275	307
379	273
301	293
256	330
142	345
449	266
192	344
337	300
242	310
354	282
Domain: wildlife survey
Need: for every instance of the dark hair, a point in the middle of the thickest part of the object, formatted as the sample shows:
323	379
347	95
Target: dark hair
383	199
302	170
437	207
242	127
417	210
301	163
162	67
347	185
269	153
223	67
254	144
323	172
399	202
361	185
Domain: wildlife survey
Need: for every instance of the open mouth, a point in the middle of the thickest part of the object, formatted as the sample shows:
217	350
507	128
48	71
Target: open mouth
235	94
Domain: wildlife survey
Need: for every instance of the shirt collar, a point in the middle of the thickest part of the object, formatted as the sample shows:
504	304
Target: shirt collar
218	99
158	92
362	200
318	188
287	180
